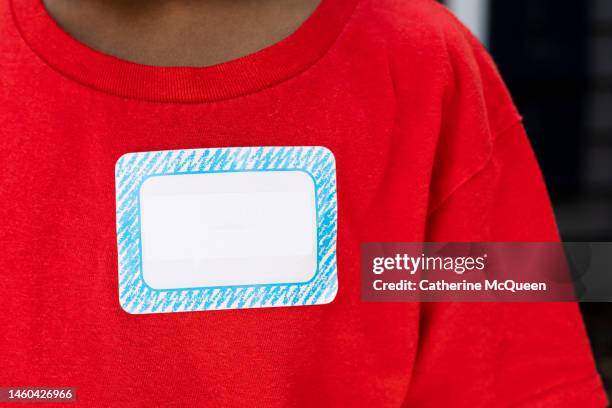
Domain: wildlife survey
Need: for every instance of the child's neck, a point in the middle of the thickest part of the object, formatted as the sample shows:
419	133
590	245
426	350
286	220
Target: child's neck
179	32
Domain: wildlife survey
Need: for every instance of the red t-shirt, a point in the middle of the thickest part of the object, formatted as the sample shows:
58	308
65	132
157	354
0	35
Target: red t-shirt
428	147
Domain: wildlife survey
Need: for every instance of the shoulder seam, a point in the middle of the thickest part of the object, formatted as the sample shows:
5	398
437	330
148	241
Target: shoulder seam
504	130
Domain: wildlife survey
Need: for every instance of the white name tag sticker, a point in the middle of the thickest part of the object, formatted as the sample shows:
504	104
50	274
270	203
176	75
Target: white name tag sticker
226	228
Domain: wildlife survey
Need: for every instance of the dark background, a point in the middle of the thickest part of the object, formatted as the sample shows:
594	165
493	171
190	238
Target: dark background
556	57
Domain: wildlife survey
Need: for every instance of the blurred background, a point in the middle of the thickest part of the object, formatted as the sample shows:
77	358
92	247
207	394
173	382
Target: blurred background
556	57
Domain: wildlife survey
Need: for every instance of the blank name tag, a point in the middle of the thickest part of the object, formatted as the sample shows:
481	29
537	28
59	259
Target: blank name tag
226	228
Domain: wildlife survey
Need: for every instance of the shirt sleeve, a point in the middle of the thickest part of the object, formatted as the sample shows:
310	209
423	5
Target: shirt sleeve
487	187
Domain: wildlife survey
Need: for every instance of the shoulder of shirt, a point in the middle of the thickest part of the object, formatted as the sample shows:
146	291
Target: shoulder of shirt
417	30
426	33
406	19
399	11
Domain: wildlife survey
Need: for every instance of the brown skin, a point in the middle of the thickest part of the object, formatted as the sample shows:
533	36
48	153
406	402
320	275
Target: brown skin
179	32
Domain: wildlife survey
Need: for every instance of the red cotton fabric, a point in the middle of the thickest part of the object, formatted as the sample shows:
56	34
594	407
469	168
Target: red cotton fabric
428	146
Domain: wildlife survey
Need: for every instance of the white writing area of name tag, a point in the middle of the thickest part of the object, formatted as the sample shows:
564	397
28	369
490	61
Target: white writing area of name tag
226	228
230	228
